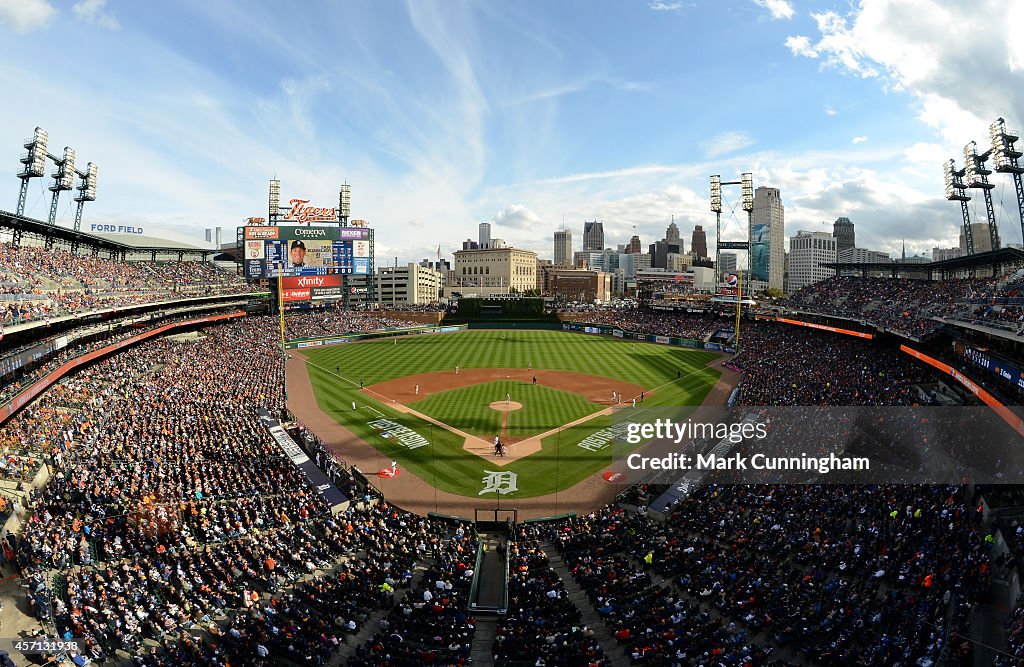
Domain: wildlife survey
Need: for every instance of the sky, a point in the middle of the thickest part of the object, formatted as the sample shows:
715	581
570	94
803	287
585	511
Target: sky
442	115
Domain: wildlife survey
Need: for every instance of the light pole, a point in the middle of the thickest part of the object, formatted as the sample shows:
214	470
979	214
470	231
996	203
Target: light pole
1005	158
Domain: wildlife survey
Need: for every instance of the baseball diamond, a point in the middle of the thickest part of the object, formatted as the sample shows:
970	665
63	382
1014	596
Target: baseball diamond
446	421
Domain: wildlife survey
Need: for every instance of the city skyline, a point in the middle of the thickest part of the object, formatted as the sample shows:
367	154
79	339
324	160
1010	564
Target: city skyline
443	116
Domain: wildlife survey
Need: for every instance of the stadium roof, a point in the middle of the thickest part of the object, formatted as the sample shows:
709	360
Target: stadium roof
20	224
994	259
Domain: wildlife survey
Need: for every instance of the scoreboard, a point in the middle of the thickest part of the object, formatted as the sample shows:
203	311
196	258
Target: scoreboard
295	251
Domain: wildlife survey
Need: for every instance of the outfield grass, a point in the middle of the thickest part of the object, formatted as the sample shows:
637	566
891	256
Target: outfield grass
336	372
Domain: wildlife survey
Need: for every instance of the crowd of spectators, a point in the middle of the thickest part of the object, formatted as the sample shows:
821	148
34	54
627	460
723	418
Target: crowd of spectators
79	344
695	326
174	530
836	574
543	626
911	306
313	323
788	365
430	622
38	283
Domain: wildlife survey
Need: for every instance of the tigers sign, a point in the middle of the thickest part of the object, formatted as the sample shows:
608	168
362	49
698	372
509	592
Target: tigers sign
301	212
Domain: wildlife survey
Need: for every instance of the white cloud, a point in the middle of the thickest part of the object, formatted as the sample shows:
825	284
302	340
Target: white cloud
829	111
515	216
960	82
800	45
91	11
779	9
726	142
859	139
26	15
659	6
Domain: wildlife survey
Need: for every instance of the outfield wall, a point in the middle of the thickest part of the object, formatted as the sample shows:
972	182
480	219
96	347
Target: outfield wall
605	330
303	343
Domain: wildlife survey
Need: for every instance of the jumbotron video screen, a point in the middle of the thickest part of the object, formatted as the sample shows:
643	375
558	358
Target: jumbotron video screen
275	252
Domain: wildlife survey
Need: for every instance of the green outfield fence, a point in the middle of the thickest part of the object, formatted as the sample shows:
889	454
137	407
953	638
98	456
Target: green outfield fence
302	343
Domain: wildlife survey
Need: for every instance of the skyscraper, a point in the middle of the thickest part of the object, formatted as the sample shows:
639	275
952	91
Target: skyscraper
767	238
563	248
485	235
699	242
672	232
634	245
593	235
842	230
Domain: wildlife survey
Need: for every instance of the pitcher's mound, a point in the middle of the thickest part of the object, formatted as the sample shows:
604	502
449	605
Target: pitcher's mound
502	406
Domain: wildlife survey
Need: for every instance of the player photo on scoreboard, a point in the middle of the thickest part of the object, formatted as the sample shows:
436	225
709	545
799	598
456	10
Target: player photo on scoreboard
313	254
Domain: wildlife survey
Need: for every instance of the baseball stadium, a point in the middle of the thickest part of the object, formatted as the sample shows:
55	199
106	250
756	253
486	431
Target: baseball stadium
205	467
741	445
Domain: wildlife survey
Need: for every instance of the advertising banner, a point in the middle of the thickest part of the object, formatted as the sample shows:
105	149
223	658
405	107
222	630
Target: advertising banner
799	323
760	238
1003	369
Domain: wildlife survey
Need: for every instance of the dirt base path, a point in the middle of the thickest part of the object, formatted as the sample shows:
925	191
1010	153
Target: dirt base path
416	495
594	388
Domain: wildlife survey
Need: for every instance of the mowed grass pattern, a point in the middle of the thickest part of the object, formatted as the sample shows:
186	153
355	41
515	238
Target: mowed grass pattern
644	364
543	408
336	371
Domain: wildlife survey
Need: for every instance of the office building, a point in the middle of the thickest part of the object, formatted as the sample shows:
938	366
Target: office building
563	248
593	235
408	285
488	271
633	245
727	262
940	254
485	235
767	238
981	237
808	253
842	230
660	251
699	242
580	286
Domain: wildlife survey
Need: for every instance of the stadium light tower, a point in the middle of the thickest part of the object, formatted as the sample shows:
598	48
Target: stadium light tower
1005	157
86	191
716	206
976	176
274	201
35	164
344	203
957	191
746	183
63	179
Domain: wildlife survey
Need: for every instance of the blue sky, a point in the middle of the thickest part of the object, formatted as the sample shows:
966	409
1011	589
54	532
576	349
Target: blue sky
443	115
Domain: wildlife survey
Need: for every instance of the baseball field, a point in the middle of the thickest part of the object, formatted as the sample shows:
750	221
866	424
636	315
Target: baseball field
435	403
